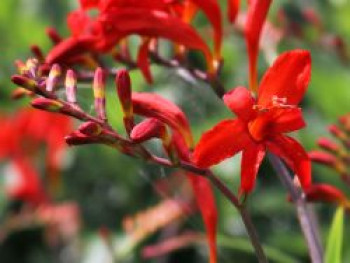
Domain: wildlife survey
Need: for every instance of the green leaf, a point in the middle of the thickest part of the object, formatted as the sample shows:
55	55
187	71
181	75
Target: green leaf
335	238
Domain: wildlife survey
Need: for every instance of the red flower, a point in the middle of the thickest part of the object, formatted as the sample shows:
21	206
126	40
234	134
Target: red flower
262	121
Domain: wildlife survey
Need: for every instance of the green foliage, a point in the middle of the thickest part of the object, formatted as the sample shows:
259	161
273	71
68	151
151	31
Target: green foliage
335	238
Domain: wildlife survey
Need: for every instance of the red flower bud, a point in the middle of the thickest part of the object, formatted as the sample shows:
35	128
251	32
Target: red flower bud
71	86
77	138
149	128
37	52
328	145
325	193
20	93
323	158
90	128
337	132
47	104
53	35
25	82
123	84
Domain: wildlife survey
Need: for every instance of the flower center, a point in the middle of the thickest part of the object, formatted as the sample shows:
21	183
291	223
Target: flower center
259	127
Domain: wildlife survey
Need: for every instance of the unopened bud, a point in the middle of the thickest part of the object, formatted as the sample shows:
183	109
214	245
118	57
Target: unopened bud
53	35
77	138
21	67
146	130
32	65
20	93
345	121
123	84
99	93
90	128
25	82
53	78
47	104
71	86
37	52
337	132
328	145
323	158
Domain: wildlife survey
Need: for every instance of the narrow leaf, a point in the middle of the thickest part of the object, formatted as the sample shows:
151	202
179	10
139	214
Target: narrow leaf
335	238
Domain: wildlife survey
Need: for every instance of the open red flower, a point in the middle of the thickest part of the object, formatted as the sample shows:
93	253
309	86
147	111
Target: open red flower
262	121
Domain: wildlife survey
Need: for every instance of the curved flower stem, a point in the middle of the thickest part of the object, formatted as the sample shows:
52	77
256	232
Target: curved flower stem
251	230
305	220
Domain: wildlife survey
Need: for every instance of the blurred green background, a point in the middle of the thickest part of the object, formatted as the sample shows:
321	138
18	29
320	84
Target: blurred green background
108	186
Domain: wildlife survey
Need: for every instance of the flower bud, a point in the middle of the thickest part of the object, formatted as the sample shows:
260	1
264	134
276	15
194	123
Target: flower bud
53	35
146	130
32	65
77	138
21	67
123	84
325	193
20	93
25	82
323	158
328	145
90	128
99	93
37	52
47	104
337	132
53	78
71	86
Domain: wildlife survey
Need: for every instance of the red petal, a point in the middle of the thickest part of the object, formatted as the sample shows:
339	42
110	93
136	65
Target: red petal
206	202
294	155
27	186
287	78
78	22
212	11
251	159
223	141
241	102
325	193
143	62
233	7
153	105
86	4
152	23
287	120
69	48
256	16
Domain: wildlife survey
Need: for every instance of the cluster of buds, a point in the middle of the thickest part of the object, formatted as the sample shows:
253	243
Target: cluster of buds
163	119
336	155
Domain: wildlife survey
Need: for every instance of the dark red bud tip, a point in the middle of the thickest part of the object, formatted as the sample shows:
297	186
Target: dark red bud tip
24	82
37	52
90	128
47	104
150	128
53	35
123	84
